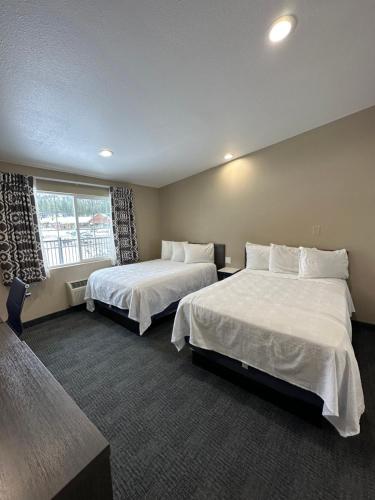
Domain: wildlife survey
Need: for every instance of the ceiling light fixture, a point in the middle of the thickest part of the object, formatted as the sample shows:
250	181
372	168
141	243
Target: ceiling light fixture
228	157
281	28
105	153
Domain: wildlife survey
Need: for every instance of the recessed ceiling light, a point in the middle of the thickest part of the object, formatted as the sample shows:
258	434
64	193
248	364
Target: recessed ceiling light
281	28
228	157
105	153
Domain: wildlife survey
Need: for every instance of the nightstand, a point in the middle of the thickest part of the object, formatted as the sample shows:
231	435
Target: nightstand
226	272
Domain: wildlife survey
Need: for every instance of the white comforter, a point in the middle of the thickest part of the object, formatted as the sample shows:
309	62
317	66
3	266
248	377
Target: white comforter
298	330
147	288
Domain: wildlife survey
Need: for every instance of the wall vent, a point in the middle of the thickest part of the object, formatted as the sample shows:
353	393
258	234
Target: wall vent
76	292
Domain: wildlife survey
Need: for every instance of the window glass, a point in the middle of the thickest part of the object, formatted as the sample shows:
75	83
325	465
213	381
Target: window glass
74	228
94	225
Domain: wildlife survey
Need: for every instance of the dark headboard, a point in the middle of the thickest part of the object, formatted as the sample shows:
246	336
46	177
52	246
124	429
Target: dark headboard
219	249
219	257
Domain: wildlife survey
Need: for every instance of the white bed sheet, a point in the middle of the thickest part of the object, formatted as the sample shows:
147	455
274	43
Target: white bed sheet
147	288
297	330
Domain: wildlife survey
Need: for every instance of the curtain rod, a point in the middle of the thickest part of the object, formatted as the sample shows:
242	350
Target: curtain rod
71	182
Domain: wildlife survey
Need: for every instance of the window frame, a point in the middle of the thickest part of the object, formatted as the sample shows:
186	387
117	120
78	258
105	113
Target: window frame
75	196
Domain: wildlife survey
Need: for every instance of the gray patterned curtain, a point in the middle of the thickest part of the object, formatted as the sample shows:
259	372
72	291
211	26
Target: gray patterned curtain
20	249
123	221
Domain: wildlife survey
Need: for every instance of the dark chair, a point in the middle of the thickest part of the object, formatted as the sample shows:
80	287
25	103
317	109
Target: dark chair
17	294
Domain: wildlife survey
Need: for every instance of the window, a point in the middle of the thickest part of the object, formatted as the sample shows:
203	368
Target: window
74	228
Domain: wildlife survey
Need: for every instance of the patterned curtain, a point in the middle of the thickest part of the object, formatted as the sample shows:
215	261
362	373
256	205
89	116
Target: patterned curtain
20	249
123	221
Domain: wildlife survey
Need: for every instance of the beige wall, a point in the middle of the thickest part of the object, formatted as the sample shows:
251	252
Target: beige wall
324	177
50	296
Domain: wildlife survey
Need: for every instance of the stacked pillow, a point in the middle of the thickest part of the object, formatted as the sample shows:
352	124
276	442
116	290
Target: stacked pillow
189	253
257	257
284	259
173	250
314	263
306	262
195	252
166	250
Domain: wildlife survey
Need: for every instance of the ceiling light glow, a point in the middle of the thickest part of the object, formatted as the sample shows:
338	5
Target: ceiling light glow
281	28
228	157
105	153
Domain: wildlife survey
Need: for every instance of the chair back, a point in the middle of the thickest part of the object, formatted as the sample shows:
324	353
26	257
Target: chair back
16	298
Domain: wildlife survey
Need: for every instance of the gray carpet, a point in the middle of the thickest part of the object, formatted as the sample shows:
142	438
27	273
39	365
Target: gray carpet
178	431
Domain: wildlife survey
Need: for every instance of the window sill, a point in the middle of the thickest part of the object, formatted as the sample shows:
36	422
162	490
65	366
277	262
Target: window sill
83	262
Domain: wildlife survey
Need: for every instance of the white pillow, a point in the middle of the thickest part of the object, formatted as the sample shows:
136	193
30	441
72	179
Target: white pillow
257	256
178	251
166	250
195	253
284	259
316	263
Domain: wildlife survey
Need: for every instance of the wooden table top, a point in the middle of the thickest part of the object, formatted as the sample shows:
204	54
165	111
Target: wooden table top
45	439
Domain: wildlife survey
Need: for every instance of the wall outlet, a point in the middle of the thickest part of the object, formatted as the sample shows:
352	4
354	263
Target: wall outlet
228	260
316	229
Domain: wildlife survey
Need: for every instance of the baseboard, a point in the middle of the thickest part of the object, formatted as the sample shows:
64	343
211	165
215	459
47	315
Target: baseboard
54	315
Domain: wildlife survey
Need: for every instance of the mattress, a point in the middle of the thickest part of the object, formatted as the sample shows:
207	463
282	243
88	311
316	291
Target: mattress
298	330
147	288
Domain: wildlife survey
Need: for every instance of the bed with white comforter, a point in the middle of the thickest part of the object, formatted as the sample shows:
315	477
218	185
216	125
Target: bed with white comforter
297	330
147	288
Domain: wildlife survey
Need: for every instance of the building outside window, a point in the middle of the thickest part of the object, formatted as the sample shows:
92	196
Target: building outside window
74	228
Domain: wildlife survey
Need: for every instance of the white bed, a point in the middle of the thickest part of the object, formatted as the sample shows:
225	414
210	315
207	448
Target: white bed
147	288
297	330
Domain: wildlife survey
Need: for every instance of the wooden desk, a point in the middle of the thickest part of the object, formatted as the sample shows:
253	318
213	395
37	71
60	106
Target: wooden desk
7	337
49	448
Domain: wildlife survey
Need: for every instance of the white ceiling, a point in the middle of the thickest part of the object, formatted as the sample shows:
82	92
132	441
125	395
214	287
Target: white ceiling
172	85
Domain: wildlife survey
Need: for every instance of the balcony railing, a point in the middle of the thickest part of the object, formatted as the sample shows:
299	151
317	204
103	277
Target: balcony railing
65	251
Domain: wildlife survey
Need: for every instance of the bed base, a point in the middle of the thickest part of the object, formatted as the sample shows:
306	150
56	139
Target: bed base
292	398
121	316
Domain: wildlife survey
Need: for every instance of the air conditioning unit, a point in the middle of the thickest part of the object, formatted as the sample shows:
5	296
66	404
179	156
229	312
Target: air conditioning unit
76	292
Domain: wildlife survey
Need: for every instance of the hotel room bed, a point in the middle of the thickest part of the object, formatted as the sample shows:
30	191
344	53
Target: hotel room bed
296	330
140	292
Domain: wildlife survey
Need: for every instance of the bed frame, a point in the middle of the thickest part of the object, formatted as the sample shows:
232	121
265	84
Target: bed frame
121	316
283	393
